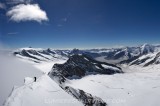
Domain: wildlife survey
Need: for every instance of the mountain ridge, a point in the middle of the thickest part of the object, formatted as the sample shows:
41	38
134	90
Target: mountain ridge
124	55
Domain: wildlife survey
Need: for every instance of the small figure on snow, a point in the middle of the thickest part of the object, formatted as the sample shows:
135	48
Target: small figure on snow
35	79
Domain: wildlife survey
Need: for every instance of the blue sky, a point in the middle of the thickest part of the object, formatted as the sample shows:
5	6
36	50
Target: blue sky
82	24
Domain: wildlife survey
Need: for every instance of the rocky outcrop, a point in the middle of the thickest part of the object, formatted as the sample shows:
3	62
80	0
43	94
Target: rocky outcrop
81	65
78	66
156	60
86	98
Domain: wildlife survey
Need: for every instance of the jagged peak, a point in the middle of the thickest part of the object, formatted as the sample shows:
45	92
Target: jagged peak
147	48
81	65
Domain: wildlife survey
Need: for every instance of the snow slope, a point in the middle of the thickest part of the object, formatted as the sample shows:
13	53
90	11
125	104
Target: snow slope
46	67
44	92
13	72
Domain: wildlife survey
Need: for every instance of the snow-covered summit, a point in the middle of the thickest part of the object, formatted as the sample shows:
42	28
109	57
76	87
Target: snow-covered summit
115	55
147	48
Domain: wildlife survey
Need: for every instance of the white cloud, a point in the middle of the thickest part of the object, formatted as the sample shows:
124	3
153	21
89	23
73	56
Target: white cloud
18	1
27	12
2	6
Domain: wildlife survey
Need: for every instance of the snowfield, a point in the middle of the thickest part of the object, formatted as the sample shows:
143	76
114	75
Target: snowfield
44	92
140	88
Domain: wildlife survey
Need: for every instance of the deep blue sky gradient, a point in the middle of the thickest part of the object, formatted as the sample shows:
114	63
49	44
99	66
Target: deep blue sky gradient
86	24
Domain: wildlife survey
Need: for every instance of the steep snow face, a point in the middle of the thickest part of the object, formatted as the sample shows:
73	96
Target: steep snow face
44	92
146	48
110	67
146	60
34	55
134	88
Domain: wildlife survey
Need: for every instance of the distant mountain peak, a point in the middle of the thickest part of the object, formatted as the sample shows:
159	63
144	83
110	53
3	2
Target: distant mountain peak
125	55
147	48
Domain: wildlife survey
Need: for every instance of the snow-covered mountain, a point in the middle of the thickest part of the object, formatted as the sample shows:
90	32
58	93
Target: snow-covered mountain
124	55
78	66
39	55
91	77
145	54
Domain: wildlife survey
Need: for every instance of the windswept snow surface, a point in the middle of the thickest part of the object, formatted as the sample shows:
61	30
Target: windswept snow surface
13	73
44	92
133	88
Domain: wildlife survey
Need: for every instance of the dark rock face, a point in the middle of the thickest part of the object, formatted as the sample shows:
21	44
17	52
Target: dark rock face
81	65
75	52
156	60
86	98
129	60
137	62
25	53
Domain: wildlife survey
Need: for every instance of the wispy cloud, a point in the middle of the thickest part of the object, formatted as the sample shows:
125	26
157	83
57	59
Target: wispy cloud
12	33
2	6
64	19
27	12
